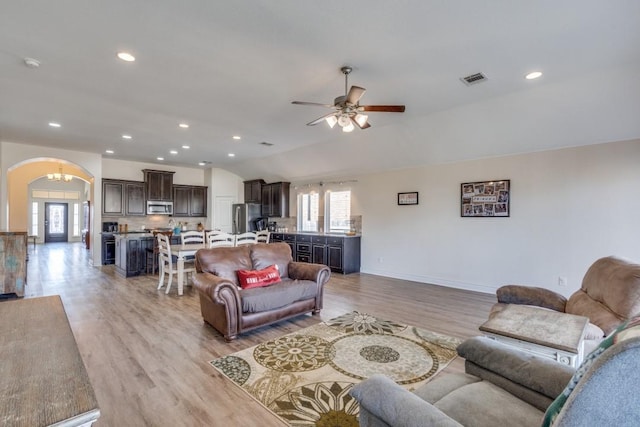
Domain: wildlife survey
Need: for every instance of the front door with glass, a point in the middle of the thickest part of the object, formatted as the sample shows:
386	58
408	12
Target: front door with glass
55	222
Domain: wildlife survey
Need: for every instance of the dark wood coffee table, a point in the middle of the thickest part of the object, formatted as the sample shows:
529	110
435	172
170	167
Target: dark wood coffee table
43	380
546	333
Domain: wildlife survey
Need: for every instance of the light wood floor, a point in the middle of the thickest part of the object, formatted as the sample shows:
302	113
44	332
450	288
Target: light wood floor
147	353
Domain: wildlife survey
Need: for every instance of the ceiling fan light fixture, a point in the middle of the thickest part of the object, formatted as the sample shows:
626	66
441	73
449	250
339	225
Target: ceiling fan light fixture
344	120
331	121
348	128
361	119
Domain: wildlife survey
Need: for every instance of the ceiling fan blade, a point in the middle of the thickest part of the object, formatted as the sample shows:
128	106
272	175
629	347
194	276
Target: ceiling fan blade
312	103
354	95
320	119
383	108
366	124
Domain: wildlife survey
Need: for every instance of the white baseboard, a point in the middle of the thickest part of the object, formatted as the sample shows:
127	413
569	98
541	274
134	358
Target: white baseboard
434	281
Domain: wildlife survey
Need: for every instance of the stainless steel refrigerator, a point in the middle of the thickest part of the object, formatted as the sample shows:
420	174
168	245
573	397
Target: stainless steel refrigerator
244	216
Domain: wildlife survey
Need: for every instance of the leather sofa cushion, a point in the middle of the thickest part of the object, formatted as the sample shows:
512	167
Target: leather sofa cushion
224	262
265	254
278	295
610	293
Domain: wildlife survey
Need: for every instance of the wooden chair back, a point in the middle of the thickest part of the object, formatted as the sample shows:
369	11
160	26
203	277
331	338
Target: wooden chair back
248	238
263	236
220	239
193	236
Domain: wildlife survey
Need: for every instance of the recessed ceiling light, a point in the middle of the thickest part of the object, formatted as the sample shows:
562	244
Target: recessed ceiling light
160	158
54	124
173	152
202	163
533	75
126	137
108	151
126	56
236	137
184	125
31	62
186	147
231	155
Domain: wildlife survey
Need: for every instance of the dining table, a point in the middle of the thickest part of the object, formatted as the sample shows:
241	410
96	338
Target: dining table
182	251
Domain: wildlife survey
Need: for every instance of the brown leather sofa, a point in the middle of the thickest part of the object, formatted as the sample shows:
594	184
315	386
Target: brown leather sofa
232	310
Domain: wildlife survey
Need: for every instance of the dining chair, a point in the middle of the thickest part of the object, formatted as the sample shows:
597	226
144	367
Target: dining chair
193	236
152	253
248	238
167	266
263	236
217	239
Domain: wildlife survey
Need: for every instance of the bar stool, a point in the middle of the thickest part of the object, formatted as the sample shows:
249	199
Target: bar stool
152	253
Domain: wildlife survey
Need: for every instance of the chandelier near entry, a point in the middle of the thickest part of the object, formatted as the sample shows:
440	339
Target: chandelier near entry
59	176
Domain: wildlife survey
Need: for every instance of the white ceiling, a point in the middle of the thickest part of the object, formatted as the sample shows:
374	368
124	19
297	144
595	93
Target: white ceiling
233	67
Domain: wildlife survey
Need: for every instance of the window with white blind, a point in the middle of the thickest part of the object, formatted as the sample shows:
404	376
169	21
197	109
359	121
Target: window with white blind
338	211
308	211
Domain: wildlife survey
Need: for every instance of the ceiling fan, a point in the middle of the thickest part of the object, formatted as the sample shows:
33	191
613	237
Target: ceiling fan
347	109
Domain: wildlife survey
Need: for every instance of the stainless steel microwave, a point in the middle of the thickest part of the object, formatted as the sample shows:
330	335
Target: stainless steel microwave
159	208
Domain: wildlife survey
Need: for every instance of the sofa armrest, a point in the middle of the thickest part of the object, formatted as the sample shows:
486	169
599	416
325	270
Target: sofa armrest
529	295
307	271
383	401
544	376
219	290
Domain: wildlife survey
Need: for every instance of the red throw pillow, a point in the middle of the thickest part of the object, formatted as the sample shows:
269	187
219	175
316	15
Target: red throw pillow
257	278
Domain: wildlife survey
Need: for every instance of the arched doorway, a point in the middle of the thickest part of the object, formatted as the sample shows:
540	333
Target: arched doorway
38	197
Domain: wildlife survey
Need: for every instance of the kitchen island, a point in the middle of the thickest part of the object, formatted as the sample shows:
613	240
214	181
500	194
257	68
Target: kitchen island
131	253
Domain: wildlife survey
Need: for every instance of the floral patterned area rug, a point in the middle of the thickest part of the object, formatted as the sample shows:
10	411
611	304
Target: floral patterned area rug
305	377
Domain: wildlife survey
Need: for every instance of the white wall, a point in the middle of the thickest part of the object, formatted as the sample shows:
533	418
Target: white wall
568	208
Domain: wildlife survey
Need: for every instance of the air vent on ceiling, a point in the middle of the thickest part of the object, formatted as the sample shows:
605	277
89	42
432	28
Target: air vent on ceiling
474	79
266	144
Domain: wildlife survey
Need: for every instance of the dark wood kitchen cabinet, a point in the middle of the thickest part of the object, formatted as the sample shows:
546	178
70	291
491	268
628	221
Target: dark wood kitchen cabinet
158	184
253	191
134	197
340	254
123	198
112	197
189	200
275	199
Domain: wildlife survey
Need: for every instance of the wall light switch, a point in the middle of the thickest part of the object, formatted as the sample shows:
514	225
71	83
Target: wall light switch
562	281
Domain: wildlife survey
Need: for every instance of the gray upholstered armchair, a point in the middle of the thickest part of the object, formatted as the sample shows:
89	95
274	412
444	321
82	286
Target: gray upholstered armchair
609	295
503	386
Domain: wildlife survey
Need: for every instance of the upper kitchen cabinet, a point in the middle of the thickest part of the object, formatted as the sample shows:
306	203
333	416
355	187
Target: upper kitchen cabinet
123	198
159	184
253	191
189	200
112	197
275	199
135	204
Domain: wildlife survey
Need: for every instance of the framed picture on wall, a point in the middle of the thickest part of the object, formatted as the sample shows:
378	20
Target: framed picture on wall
485	198
408	198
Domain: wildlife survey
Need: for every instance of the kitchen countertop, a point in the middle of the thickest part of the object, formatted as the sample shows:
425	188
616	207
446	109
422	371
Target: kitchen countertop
139	233
317	233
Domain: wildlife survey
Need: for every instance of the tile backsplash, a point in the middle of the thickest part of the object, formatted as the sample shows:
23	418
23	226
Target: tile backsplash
159	221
